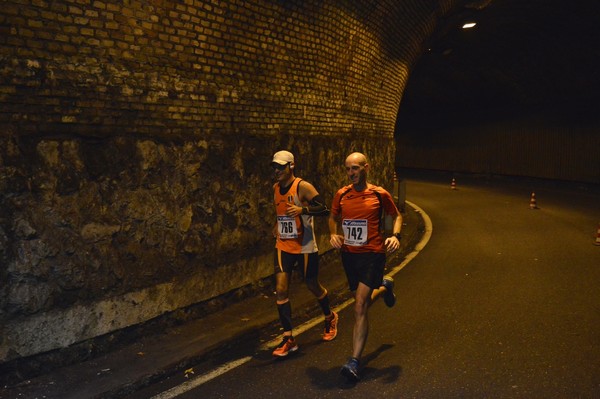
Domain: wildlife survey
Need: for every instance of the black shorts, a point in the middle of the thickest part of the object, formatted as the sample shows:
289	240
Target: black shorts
366	268
307	264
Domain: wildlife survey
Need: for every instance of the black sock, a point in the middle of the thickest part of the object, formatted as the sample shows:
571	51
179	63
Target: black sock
324	302
285	315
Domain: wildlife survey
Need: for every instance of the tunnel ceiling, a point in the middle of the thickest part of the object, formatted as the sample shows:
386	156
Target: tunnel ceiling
522	54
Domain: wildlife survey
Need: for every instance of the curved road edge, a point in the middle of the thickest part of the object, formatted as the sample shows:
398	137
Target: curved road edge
419	246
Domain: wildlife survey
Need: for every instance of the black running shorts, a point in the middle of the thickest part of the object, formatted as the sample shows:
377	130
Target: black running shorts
308	264
366	268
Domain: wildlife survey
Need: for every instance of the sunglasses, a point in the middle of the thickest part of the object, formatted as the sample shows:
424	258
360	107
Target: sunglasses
278	166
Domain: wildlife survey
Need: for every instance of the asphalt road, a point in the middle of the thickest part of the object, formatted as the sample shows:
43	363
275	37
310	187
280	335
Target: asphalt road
503	302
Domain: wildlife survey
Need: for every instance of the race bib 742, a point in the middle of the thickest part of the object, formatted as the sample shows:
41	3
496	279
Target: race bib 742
355	232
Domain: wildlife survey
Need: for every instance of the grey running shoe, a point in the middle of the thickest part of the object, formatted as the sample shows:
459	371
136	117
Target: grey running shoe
389	297
350	370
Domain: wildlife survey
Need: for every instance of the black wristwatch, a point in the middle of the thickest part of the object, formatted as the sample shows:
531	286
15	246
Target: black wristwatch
398	236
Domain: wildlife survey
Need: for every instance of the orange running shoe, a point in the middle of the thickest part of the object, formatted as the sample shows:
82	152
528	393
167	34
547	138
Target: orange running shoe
330	327
287	345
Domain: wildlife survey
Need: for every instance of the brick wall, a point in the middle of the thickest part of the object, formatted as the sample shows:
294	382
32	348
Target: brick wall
182	69
135	138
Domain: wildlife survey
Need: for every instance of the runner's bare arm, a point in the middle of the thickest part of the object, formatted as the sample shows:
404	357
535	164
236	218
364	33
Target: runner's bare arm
335	239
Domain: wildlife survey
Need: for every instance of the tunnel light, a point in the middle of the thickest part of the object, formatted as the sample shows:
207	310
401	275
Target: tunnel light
469	25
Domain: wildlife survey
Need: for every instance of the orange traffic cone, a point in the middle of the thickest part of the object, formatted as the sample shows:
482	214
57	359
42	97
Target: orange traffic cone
598	235
453	185
533	202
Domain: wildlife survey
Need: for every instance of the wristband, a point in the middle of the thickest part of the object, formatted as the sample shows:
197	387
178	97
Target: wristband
398	236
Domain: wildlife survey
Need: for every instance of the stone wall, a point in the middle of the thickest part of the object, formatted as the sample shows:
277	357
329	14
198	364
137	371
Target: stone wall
136	137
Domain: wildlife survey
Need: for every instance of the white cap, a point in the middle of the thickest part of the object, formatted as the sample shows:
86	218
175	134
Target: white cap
283	157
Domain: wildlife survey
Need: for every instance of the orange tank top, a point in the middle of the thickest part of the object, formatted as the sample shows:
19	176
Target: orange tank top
294	234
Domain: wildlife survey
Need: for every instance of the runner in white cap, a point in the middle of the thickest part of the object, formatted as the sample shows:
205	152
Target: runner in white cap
296	202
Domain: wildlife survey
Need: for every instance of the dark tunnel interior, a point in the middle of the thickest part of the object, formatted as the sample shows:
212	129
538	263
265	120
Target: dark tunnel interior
520	56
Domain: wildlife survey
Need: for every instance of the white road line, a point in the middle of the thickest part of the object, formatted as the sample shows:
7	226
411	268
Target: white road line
196	382
304	327
421	244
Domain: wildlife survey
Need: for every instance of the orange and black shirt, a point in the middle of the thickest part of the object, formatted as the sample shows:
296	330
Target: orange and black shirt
361	215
